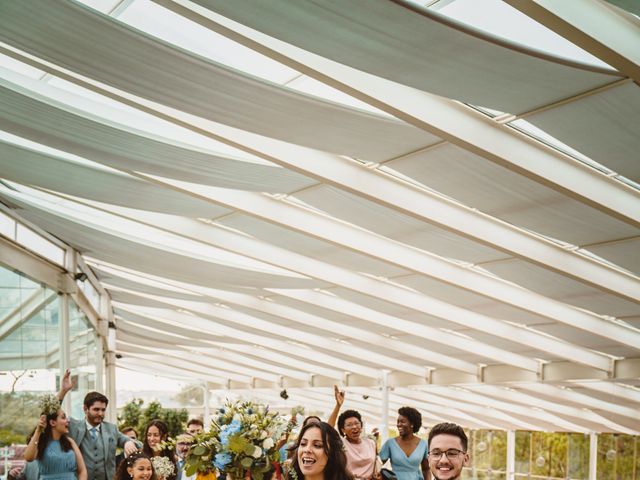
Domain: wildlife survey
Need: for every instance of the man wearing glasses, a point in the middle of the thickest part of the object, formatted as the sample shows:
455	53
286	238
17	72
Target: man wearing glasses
447	451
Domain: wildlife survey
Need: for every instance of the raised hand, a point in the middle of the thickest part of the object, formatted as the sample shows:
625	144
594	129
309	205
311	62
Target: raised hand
66	383
130	448
42	423
339	394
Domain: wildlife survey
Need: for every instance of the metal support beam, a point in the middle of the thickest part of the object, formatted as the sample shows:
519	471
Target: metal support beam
65	349
511	454
100	357
593	456
384	412
593	26
37	268
111	391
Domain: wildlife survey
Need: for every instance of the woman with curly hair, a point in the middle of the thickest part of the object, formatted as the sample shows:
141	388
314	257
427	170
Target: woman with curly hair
319	455
360	451
136	467
407	452
59	457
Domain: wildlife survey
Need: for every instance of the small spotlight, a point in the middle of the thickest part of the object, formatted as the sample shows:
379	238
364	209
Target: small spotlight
80	276
365	397
118	356
284	395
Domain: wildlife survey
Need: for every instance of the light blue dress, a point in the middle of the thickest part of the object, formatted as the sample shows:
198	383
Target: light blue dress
56	464
405	468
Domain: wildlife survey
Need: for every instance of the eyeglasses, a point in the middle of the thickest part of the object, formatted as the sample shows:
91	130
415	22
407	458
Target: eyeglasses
352	425
451	454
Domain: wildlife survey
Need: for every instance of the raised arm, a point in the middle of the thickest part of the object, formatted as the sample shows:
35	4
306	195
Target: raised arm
336	409
65	385
31	452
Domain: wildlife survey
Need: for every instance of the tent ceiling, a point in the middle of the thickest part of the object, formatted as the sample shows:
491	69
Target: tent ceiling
271	215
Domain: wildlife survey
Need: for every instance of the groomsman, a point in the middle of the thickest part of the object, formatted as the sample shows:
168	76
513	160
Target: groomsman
447	451
195	426
96	438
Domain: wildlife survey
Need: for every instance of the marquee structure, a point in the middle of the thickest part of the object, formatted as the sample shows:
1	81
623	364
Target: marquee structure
429	203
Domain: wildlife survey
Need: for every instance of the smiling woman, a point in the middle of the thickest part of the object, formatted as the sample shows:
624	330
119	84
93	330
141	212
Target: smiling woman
319	455
58	455
407	452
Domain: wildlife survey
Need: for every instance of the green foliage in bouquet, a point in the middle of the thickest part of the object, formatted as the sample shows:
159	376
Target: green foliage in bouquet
242	438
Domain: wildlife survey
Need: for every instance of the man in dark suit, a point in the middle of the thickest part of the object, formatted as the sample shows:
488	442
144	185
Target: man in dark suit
96	438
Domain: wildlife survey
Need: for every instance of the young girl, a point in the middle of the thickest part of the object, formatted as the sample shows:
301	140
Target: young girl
136	467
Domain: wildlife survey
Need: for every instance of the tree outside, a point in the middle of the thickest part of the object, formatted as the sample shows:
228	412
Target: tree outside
135	415
18	416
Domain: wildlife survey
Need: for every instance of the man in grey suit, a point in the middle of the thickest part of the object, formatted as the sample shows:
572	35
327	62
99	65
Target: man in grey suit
96	438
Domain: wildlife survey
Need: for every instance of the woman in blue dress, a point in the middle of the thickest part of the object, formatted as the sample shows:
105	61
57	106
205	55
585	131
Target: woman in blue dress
407	452
59	457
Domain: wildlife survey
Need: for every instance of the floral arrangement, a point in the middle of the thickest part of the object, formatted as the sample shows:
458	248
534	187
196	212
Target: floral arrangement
49	404
163	466
241	442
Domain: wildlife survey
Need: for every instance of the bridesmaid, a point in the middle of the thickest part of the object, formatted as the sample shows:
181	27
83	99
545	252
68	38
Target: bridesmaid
59	457
407	452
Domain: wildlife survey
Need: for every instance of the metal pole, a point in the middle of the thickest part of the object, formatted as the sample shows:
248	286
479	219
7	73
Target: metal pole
99	384
511	454
65	349
111	375
593	456
384	414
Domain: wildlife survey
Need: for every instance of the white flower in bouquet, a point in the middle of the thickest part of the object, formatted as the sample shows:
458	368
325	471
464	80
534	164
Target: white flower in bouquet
268	443
163	466
49	404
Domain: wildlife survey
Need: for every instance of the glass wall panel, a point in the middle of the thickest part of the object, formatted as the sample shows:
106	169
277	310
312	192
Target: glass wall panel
578	455
29	351
617	457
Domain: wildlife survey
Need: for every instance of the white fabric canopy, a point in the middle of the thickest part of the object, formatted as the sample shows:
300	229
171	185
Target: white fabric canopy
266	215
124	58
418	47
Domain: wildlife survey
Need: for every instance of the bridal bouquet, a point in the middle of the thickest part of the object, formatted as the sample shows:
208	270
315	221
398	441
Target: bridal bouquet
241	442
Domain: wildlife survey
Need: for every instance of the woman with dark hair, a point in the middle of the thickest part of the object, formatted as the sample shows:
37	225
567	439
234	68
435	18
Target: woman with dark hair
59	457
136	467
360	451
407	452
156	433
319	455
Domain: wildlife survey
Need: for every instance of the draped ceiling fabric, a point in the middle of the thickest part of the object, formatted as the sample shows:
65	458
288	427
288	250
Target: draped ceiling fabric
305	194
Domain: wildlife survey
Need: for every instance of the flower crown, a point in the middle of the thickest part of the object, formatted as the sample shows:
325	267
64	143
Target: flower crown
131	459
49	404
